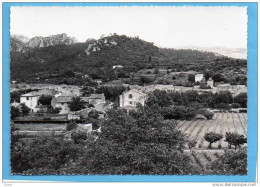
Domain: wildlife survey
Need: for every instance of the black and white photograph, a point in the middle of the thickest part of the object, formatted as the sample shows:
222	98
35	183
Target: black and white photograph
128	90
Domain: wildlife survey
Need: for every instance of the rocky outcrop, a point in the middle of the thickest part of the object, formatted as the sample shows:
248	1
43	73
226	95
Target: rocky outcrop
100	44
51	40
21	43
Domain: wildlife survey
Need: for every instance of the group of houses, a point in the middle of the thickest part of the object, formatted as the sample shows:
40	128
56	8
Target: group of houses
61	99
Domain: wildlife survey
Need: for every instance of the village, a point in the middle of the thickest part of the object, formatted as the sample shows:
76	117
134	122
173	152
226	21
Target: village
60	97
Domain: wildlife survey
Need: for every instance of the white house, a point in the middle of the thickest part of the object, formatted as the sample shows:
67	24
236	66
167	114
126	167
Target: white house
30	100
117	66
130	98
199	77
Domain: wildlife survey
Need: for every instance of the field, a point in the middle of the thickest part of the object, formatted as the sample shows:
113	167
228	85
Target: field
221	123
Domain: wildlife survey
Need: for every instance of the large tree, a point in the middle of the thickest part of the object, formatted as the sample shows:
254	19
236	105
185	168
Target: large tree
212	137
45	99
76	104
139	143
235	139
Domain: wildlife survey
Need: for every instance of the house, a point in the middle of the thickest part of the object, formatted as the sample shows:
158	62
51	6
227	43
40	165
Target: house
63	101
73	116
30	100
130	98
199	77
210	83
117	66
96	99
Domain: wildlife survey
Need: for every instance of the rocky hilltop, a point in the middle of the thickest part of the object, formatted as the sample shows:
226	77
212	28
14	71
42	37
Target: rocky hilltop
21	43
40	41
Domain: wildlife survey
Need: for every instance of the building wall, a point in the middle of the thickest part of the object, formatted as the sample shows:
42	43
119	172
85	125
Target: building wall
30	101
127	100
199	77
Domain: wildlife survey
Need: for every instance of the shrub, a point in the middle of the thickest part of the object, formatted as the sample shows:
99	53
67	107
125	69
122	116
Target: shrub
241	99
206	113
224	106
243	111
235	105
71	126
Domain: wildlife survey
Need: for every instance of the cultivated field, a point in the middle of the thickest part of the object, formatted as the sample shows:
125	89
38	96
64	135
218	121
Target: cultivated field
221	123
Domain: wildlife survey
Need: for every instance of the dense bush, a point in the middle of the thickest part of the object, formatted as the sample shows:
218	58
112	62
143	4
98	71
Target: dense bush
235	105
206	113
45	99
230	163
241	99
72	125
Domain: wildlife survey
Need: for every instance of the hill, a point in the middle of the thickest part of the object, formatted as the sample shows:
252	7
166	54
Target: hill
97	57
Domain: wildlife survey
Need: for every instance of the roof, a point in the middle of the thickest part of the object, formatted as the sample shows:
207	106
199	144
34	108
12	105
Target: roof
96	96
67	99
199	74
30	94
135	90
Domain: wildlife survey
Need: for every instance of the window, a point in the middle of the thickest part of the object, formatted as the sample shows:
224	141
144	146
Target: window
27	98
130	102
130	96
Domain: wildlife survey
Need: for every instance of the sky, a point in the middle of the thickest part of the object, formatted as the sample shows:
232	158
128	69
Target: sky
170	27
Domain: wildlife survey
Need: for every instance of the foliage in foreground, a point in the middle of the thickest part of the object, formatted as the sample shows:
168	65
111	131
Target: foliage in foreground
139	143
230	163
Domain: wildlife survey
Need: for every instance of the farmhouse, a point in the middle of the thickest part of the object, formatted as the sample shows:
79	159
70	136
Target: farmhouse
199	77
30	100
131	97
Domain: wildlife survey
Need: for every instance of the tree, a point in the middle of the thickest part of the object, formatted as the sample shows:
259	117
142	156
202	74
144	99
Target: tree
191	78
241	99
207	75
156	71
87	90
139	143
223	97
212	137
72	125
15	112
93	114
218	77
45	99
24	109
76	104
235	139
192	144
230	163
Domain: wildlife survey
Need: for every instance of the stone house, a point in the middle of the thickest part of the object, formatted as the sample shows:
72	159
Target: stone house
63	101
30	100
131	97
